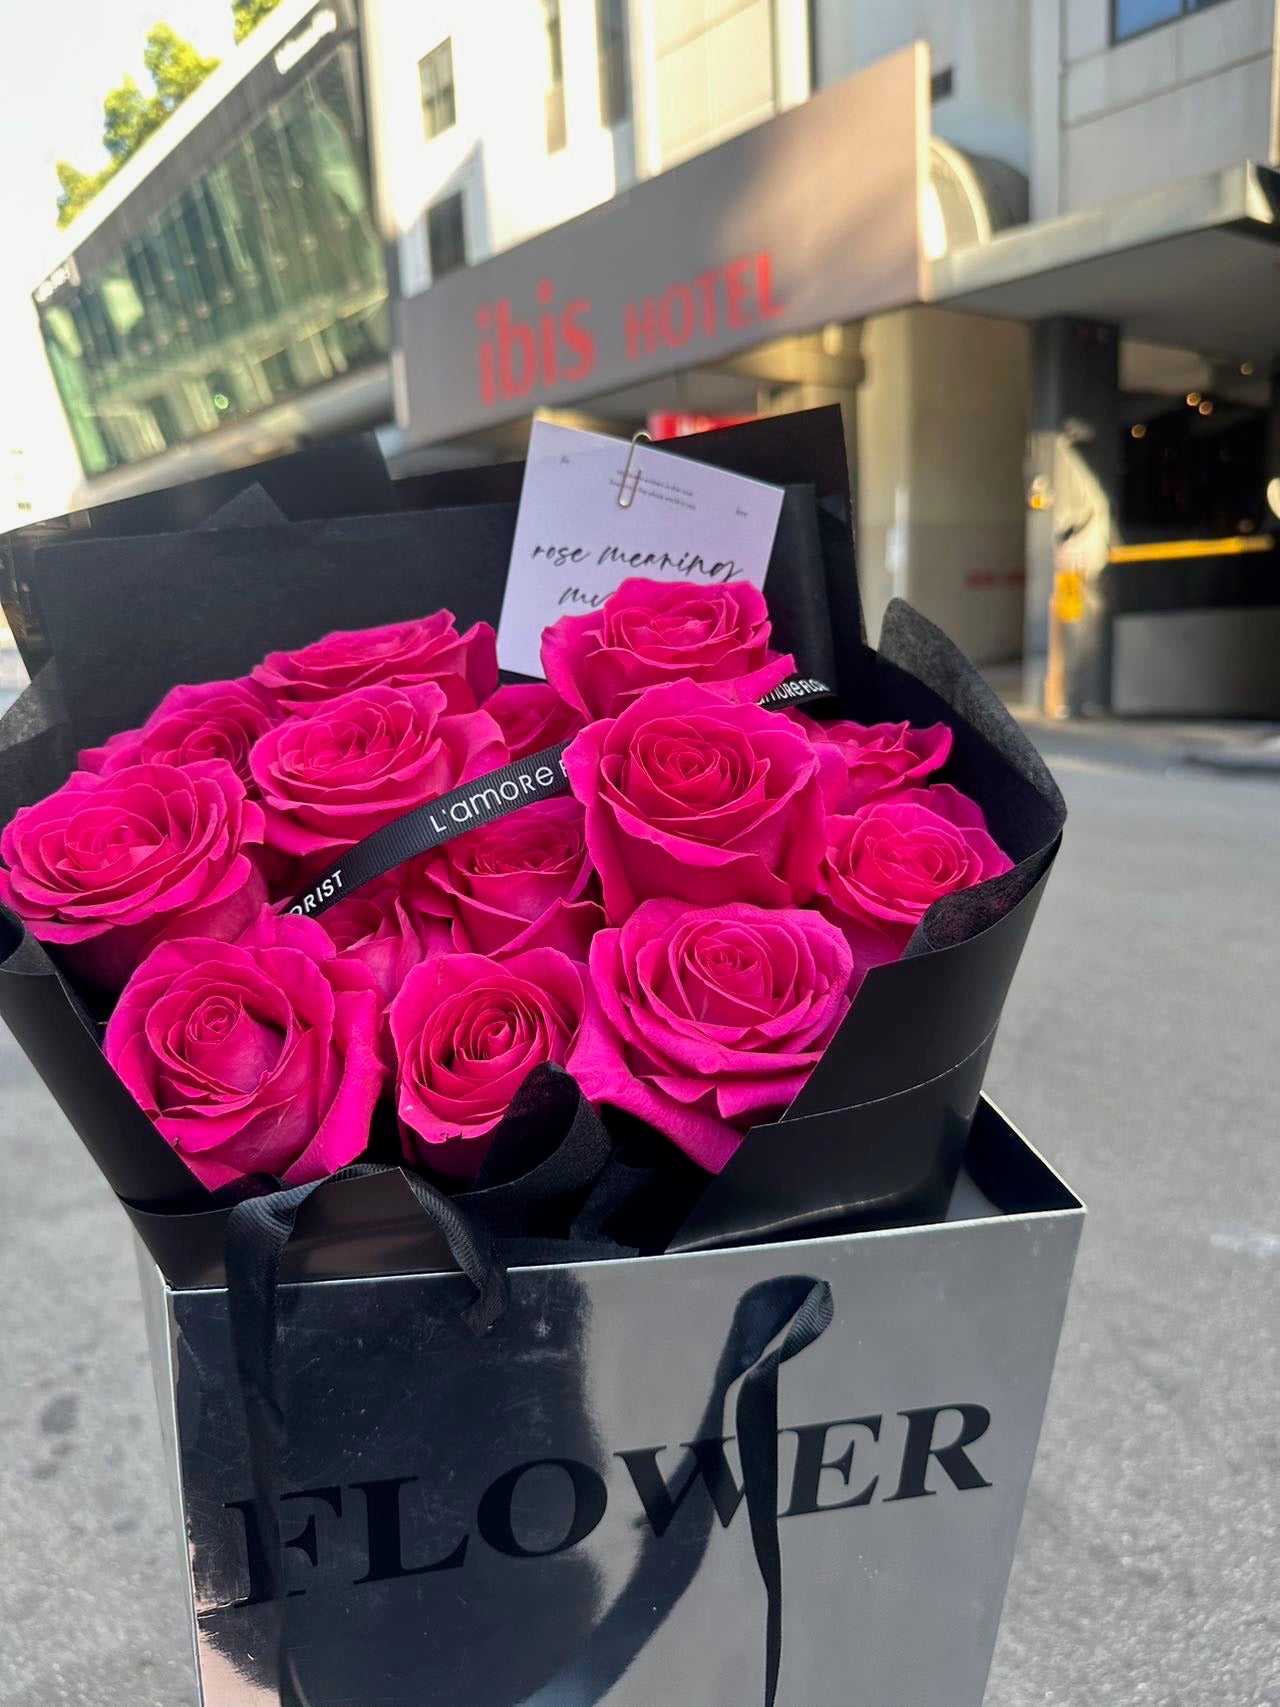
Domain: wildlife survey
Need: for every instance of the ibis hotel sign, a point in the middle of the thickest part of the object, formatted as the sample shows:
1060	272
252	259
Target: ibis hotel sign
808	218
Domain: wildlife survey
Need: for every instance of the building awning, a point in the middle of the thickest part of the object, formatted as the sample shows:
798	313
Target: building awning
1196	265
808	219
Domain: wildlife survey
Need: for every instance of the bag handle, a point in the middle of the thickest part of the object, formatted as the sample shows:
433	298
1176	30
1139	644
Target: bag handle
773	1322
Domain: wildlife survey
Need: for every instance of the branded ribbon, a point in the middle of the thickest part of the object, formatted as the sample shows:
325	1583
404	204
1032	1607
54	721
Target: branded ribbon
541	776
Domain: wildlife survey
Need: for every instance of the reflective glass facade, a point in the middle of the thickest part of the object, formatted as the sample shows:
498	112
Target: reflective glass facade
261	278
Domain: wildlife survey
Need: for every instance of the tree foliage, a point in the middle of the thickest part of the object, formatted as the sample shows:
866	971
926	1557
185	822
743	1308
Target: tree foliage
174	66
77	188
248	14
130	115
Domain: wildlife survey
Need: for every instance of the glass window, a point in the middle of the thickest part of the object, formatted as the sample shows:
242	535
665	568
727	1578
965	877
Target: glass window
446	236
435	73
555	42
1132	17
262	277
556	136
611	52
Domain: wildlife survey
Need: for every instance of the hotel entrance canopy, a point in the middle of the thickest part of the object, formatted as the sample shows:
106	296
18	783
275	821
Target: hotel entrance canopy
1196	265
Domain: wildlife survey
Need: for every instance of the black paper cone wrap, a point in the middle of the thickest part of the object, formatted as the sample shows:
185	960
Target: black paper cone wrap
112	621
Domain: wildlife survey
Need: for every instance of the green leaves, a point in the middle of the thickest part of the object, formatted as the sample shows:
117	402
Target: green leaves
248	14
130	115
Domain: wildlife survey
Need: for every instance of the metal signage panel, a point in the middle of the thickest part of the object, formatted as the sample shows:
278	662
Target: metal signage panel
811	217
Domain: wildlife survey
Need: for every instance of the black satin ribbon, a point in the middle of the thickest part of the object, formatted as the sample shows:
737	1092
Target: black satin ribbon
520	783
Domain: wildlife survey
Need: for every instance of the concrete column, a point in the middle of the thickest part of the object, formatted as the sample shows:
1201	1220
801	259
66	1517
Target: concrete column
1075	472
942	420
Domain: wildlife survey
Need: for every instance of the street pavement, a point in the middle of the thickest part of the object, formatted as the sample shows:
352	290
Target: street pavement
1138	1052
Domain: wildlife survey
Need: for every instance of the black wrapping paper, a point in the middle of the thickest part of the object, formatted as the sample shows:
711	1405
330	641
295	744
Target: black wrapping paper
877	1133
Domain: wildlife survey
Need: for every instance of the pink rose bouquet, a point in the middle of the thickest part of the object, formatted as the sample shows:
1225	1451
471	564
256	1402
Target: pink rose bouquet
633	871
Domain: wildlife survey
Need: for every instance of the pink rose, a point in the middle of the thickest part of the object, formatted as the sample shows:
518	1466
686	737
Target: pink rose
523	881
399	655
650	632
707	1021
376	927
887	864
214	720
881	757
691	797
255	1057
532	716
467	1029
108	866
331	779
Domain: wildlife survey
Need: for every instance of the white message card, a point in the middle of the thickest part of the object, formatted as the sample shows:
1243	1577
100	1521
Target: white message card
575	542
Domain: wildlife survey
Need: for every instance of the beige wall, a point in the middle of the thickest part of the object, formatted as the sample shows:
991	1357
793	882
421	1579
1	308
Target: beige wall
707	69
942	421
1182	99
983	43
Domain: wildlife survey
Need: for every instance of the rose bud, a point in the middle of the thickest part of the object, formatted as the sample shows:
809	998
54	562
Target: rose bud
691	797
108	866
881	757
887	864
467	1030
532	716
706	1021
523	881
649	632
255	1057
213	720
398	655
329	780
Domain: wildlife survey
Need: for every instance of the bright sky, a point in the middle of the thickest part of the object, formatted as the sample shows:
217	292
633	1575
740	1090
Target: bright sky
60	57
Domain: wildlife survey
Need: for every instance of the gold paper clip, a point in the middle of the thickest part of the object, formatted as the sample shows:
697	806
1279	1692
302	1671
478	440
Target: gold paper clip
625	499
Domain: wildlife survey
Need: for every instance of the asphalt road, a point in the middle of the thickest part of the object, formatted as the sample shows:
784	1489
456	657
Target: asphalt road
1138	1051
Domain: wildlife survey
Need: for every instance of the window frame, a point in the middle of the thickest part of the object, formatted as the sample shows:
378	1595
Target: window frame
458	197
613	63
555	123
1186	9
437	96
